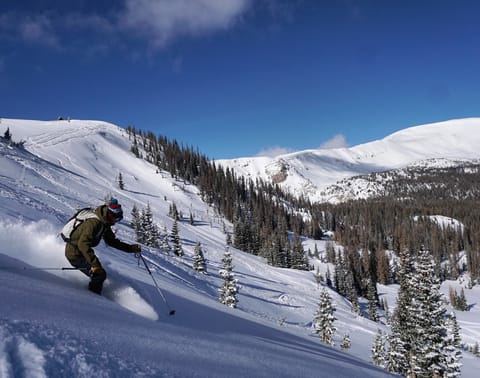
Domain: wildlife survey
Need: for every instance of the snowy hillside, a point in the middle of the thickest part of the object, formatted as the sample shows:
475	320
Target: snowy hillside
51	326
312	172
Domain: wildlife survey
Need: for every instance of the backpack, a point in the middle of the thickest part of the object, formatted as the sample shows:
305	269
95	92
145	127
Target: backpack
75	221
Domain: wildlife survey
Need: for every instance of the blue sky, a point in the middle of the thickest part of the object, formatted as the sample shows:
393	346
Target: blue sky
237	78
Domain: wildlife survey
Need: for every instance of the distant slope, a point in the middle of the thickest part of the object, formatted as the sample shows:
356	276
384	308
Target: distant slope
311	172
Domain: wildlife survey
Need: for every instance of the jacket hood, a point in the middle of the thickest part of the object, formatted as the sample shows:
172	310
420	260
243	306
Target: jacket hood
101	212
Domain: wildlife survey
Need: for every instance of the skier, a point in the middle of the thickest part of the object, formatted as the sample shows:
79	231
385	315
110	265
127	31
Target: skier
79	250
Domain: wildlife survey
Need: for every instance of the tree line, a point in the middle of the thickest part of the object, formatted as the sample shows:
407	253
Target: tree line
262	213
270	222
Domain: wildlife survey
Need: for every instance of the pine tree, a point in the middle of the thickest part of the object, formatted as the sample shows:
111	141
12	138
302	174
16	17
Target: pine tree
318	277
173	212
134	148
315	251
386	309
324	319
228	292
7	135
298	260
428	314
352	294
136	224
372	303
330	252
398	356
458	302
199	263
378	350
177	244
346	342
452	348
340	272
149	228
461	301
418	326
476	349
121	184
165	244
328	279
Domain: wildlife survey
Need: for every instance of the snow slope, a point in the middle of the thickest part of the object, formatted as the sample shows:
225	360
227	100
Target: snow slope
51	326
310	172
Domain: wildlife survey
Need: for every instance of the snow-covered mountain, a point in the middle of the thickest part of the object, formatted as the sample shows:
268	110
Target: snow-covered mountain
315	173
51	326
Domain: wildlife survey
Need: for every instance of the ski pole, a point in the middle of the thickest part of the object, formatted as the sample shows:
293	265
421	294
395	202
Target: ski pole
33	268
171	312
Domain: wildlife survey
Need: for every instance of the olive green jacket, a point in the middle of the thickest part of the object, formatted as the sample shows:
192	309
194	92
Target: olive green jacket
89	234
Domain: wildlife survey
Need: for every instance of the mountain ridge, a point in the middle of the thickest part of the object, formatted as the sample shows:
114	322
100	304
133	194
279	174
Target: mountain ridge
311	172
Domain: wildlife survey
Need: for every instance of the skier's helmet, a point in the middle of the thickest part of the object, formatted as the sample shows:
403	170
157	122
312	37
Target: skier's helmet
115	212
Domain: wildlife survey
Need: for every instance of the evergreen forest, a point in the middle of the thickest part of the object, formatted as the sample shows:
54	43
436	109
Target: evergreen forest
269	222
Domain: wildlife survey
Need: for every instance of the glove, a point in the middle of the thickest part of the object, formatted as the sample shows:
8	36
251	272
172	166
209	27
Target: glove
97	271
135	248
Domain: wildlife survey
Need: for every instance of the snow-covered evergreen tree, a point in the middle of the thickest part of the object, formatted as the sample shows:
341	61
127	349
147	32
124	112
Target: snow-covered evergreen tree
340	273
452	348
428	314
228	291
298	260
121	184
7	135
419	337
318	277
346	342
229	238
461	301
199	263
476	349
149	228
378	349
136	223
386	309
372	302
165	244
173	212
352	293
398	356
177	244
328	278
324	319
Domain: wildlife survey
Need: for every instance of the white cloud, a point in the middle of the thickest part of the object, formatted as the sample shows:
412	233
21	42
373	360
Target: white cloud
161	21
38	30
158	22
337	141
35	29
275	151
